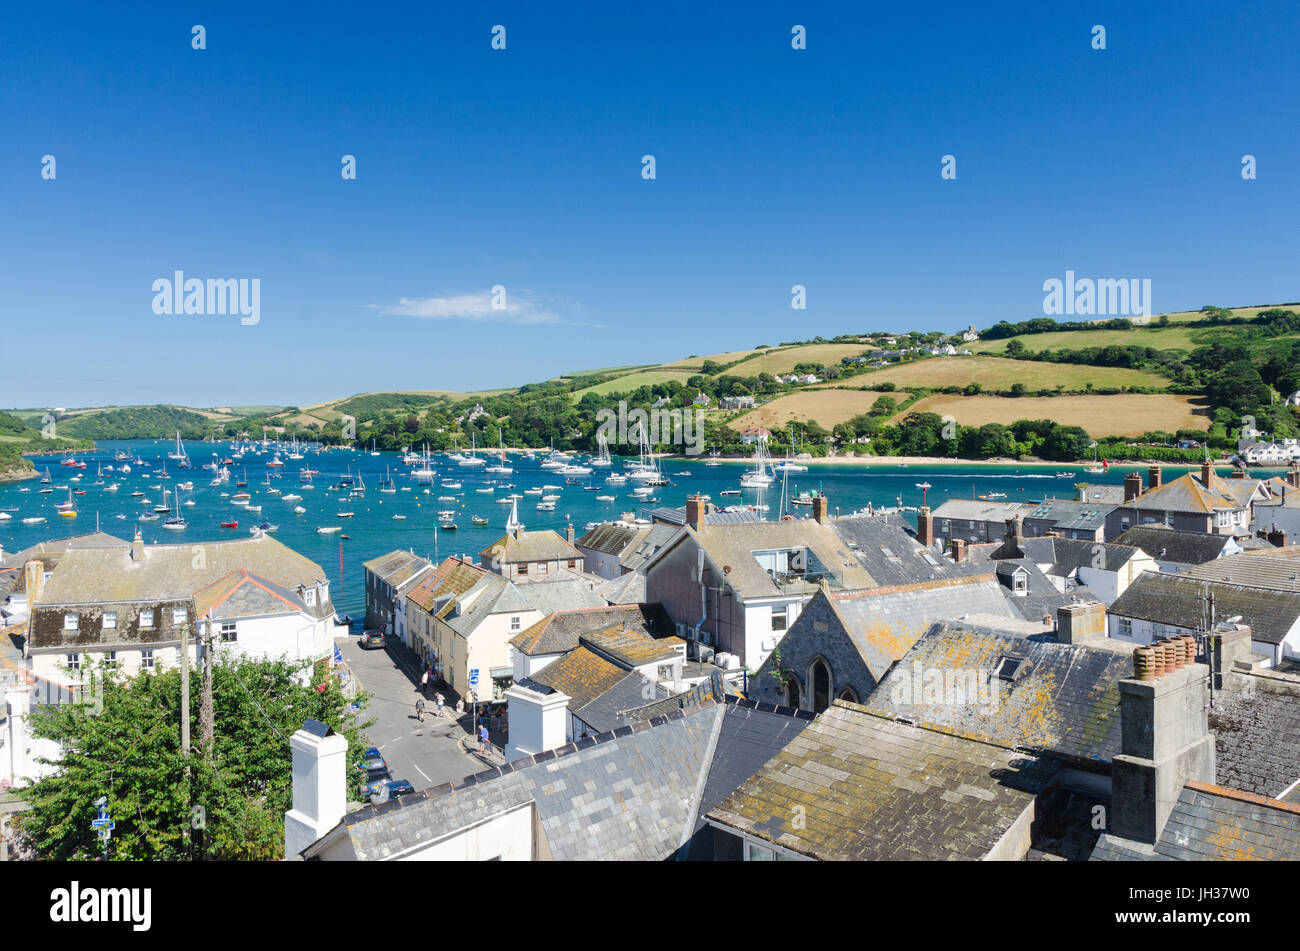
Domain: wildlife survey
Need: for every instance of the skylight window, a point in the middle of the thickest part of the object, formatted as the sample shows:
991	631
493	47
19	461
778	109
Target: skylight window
1006	668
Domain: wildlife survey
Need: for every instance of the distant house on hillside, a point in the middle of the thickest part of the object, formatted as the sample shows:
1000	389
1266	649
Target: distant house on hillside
970	335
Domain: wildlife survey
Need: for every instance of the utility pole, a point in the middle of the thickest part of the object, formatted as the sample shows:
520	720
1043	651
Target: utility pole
205	710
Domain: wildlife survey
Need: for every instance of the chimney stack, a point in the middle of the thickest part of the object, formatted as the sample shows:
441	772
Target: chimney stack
1165	737
958	549
34	581
1276	537
1154	478
695	512
568	533
1293	476
1207	472
821	509
320	763
1132	486
1081	622
925	526
137	547
1238	473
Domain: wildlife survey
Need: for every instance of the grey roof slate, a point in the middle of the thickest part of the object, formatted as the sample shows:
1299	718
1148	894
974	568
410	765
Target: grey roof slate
1179	600
1257	741
1168	544
1062	697
1214	824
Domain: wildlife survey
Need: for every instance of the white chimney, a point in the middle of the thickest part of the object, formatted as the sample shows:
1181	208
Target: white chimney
538	721
320	762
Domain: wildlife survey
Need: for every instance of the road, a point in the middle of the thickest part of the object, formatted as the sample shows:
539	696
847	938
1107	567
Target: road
425	754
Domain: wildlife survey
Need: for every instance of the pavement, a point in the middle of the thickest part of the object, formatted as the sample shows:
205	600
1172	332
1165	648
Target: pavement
425	754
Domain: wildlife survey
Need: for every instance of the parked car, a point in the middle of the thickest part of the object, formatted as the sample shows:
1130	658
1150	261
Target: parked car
373	639
374	767
393	788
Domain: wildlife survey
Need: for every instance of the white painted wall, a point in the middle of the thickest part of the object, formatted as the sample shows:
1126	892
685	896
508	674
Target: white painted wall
507	836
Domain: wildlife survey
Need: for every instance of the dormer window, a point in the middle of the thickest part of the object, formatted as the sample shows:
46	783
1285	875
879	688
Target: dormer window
309	596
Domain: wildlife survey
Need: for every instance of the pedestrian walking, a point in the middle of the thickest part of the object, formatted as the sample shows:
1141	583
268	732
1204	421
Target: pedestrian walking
424	680
419	709
482	736
439	698
460	707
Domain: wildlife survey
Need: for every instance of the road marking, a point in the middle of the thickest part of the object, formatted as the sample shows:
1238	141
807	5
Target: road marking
422	773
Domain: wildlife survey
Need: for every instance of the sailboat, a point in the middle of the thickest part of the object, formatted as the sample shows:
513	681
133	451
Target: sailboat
513	523
1095	468
99	475
46	479
472	460
179	454
603	459
387	485
67	509
175	523
373	450
500	467
759	477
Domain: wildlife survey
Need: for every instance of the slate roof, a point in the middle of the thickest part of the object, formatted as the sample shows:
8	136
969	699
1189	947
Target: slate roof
581	674
1277	569
544	545
172	572
624	795
608	711
1166	544
625	589
1211	823
452	577
1257	741
1101	494
677	516
1041	597
978	510
884	623
242	595
633	648
1178	600
645	546
1062	697
608	538
1067	515
1188	493
732	546
885	546
1067	554
872	789
59	545
397	567
559	632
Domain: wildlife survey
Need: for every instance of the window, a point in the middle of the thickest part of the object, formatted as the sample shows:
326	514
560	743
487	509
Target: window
74	662
110	620
110	659
146	659
780	618
310	596
522	568
228	631
573	563
1125	627
69	622
515	624
146	617
179	658
1006	668
179	616
821	686
665	671
542	567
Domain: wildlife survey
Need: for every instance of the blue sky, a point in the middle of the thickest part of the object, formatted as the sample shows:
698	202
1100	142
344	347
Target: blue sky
522	168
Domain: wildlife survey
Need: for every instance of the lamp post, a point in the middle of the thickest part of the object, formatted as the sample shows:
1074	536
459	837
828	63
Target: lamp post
925	488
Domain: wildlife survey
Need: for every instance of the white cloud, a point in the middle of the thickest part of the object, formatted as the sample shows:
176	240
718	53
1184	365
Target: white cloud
521	307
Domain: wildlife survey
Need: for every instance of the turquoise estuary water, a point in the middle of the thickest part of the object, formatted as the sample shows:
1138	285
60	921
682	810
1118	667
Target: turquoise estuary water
373	530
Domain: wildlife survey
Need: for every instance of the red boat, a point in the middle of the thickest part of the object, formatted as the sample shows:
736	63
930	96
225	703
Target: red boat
79	492
229	524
